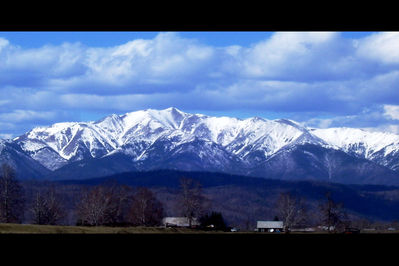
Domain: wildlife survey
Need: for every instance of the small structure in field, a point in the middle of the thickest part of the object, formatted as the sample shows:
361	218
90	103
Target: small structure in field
179	222
269	226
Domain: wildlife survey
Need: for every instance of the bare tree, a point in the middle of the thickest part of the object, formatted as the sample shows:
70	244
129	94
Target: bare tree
103	205
39	209
191	199
12	201
333	214
146	210
124	198
95	205
291	210
47	208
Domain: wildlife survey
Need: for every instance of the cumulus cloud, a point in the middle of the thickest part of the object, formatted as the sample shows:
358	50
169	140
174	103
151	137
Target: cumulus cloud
3	43
381	47
165	60
26	115
320	78
375	118
285	52
392	111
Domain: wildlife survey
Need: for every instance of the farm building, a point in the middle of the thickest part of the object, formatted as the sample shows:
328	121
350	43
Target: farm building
178	222
269	226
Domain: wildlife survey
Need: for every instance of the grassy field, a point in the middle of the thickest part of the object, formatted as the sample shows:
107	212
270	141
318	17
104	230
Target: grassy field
57	229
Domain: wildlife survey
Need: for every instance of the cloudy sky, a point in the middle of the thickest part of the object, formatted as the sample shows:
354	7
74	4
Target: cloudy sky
321	79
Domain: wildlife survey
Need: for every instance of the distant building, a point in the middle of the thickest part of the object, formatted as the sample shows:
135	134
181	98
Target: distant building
269	226
179	222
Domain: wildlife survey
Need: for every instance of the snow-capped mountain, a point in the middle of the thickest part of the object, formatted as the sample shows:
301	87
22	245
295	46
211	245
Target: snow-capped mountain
380	147
13	155
154	139
137	134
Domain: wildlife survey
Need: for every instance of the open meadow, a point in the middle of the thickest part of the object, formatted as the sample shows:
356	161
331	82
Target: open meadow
59	229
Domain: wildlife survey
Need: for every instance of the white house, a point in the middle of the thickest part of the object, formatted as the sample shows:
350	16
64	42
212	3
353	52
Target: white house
179	222
269	226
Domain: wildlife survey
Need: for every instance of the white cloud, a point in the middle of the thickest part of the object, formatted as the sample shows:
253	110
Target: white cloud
165	59
319	123
297	72
287	51
392	128
3	43
384	128
391	111
26	115
382	47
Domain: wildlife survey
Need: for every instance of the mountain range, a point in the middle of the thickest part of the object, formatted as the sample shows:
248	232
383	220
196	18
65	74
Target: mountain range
171	139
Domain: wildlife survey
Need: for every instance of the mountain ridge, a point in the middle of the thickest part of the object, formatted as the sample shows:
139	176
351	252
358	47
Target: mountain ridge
171	139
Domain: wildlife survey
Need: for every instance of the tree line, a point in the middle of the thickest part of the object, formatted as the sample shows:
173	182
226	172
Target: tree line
108	204
294	213
111	204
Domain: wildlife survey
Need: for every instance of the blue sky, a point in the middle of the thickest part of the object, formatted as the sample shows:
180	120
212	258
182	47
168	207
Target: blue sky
36	39
321	79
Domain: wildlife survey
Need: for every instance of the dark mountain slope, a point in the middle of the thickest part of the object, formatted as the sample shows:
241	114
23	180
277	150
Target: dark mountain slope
90	168
24	165
312	162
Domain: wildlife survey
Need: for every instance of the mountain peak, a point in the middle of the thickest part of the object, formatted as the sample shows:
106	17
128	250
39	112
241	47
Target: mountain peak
173	109
291	123
169	137
111	117
257	119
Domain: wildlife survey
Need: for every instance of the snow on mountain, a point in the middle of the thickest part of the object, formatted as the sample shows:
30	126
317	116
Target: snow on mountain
70	141
375	146
26	167
2	145
133	133
172	138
